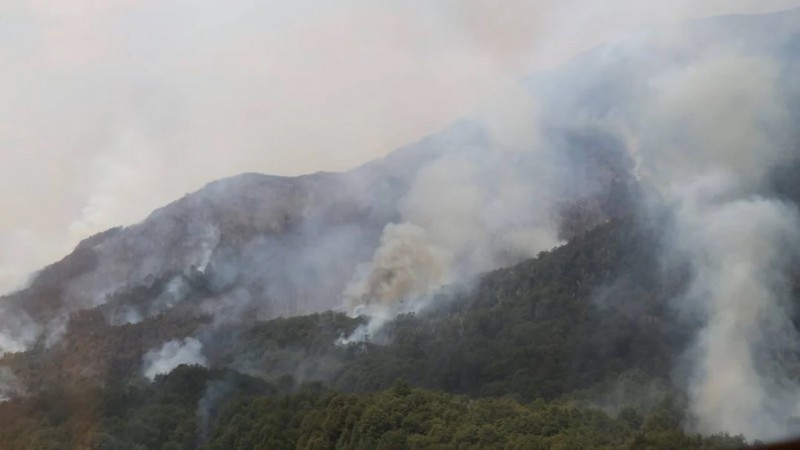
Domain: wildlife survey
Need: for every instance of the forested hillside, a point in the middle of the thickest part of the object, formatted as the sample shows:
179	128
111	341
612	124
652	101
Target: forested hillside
570	350
174	413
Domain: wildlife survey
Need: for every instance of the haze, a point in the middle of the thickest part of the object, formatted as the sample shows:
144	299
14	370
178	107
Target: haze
113	108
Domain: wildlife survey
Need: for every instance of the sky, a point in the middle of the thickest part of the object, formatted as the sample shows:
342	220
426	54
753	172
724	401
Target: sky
112	108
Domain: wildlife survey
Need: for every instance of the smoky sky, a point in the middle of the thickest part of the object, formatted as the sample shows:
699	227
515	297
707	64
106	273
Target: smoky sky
113	108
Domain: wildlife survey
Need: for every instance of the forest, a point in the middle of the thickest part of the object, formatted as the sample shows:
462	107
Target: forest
562	351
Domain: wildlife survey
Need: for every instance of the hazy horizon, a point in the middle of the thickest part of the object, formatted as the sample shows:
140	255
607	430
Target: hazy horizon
116	108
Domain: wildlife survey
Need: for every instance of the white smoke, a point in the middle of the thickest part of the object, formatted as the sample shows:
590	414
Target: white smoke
704	137
126	315
10	386
705	128
405	266
171	355
18	331
217	88
55	329
175	292
722	112
716	128
470	210
739	250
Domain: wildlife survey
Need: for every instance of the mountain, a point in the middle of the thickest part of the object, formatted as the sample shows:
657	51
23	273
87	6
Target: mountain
615	252
534	331
252	245
243	234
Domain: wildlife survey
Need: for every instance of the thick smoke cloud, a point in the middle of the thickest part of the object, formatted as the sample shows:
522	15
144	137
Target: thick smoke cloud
171	355
114	108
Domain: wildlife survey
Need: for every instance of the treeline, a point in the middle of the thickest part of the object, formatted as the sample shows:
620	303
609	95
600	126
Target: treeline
581	316
174	412
511	362
404	418
194	407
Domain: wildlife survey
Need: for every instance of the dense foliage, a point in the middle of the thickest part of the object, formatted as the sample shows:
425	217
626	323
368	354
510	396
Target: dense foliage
580	316
569	350
180	411
404	418
170	413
